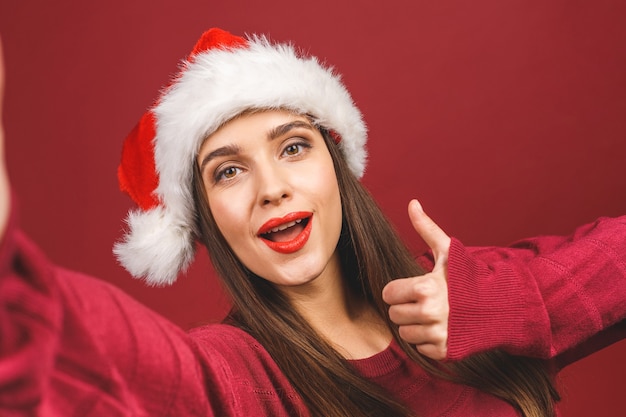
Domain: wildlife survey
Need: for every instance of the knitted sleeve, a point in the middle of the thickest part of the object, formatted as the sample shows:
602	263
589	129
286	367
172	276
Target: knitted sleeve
546	297
71	345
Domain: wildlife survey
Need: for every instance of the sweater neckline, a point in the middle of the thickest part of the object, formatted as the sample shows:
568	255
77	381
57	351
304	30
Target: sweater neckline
381	363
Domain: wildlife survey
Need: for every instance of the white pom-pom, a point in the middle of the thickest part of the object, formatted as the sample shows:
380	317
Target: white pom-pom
156	247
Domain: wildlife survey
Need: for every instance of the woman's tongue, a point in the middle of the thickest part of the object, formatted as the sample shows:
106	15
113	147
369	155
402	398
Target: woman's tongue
285	235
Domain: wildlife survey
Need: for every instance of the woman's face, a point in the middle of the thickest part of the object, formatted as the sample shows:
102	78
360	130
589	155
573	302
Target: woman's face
271	187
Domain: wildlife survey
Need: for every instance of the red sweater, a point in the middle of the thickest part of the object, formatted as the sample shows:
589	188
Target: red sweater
71	345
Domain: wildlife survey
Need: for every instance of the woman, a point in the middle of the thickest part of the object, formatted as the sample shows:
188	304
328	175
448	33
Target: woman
257	151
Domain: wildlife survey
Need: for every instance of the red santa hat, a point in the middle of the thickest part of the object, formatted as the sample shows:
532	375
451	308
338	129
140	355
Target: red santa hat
222	77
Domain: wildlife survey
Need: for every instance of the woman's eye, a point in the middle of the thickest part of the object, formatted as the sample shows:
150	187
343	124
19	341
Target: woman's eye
295	149
227	173
292	149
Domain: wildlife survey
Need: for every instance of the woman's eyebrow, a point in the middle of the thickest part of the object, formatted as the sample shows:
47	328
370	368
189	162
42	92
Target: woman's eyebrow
282	129
275	132
228	150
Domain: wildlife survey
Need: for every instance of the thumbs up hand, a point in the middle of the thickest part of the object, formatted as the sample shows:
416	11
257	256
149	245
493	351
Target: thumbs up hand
419	305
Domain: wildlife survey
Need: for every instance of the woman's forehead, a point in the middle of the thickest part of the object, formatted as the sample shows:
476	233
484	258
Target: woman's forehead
256	122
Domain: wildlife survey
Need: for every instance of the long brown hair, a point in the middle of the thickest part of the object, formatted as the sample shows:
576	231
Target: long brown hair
325	380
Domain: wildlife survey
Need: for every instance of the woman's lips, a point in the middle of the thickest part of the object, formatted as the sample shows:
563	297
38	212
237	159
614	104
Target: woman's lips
278	233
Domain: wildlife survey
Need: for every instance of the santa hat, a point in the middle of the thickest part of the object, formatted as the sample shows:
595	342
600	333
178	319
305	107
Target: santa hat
222	77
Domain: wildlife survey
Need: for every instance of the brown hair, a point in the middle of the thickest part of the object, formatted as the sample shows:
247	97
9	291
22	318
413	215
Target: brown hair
325	380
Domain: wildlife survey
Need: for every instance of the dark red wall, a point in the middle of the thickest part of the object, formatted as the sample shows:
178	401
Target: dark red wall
507	119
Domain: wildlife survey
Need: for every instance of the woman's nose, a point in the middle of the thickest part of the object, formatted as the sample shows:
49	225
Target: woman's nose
273	185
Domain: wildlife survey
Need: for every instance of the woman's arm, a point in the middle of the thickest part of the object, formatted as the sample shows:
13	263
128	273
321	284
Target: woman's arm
74	345
541	297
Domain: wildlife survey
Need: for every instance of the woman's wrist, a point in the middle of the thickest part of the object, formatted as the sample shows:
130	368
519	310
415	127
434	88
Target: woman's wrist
4	178
4	194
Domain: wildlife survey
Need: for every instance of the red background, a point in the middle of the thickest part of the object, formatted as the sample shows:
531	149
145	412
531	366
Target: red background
507	119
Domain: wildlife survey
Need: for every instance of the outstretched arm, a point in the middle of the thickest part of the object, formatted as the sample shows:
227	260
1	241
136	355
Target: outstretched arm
73	345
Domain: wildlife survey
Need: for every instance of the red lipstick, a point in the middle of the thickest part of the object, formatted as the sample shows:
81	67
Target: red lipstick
291	245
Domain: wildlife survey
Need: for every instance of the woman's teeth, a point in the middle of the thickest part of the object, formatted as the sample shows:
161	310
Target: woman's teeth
285	226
